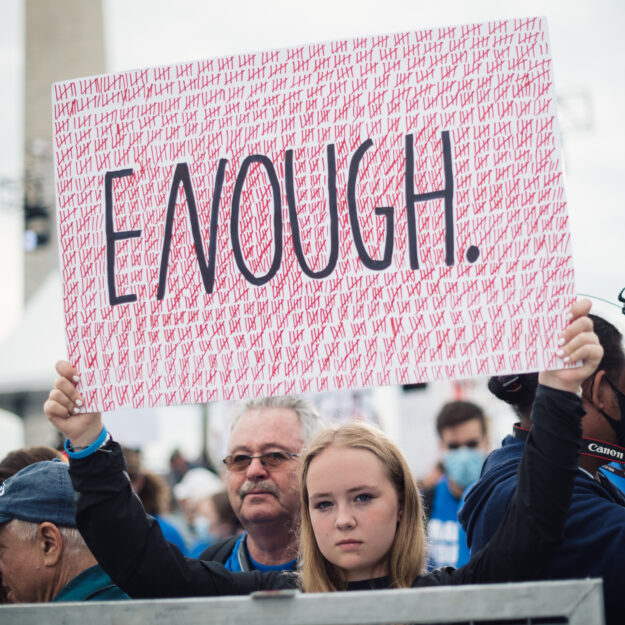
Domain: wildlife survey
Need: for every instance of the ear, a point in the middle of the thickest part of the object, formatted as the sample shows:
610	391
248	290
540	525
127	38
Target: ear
598	396
50	543
592	391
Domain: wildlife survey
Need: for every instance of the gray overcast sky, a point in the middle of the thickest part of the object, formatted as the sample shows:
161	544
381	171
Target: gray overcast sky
587	45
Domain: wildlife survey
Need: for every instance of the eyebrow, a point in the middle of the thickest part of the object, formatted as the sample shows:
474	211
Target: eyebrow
349	490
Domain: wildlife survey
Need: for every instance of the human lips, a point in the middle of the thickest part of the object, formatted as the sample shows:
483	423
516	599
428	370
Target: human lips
349	543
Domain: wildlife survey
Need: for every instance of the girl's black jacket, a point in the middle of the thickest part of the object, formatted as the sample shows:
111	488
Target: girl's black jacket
129	546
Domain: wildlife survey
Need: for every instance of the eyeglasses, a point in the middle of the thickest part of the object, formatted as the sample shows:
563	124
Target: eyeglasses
472	444
270	460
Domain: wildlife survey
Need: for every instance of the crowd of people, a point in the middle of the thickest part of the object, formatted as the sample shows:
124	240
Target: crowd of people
328	509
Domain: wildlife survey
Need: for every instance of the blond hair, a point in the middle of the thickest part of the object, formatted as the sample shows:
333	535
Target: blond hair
406	557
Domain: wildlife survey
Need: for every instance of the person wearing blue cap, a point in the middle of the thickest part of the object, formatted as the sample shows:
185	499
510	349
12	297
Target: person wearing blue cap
42	555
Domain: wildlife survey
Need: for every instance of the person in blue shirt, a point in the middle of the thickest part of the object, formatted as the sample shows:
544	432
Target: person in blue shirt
44	558
461	428
266	438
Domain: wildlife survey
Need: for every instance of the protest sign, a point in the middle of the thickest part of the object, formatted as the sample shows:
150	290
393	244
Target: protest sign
366	212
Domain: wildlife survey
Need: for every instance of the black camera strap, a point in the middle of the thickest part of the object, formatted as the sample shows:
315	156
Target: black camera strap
590	447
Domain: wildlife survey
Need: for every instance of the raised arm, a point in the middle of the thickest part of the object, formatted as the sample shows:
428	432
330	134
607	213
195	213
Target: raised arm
533	526
126	542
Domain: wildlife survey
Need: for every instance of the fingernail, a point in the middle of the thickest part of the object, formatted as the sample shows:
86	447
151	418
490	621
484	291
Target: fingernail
76	410
78	402
566	359
569	316
561	341
560	353
75	378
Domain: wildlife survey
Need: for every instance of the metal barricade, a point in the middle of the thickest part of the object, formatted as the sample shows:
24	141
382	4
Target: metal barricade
574	602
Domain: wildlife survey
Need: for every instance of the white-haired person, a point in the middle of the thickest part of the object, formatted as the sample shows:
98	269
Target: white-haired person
361	515
42	555
267	436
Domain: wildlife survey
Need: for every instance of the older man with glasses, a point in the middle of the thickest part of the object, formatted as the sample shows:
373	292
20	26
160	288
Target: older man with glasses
266	438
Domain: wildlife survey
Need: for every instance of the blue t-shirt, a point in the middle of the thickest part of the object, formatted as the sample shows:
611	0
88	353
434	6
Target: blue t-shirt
233	564
171	533
447	541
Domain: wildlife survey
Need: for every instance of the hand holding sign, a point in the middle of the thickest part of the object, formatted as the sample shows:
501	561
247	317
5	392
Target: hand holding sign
579	345
64	409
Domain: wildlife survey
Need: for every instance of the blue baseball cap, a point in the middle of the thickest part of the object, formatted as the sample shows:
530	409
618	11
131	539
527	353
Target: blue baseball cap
39	492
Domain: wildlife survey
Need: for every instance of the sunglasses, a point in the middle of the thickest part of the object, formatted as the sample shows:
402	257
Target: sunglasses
472	444
270	460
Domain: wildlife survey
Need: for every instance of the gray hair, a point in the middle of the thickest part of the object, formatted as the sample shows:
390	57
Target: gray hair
26	531
307	413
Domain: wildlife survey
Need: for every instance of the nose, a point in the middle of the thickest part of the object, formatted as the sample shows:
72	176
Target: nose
345	519
256	470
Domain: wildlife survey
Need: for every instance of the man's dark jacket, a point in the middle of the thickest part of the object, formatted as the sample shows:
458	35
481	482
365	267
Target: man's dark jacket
594	536
219	551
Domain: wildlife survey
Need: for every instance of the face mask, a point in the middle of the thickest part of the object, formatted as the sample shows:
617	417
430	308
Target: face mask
617	426
463	465
201	527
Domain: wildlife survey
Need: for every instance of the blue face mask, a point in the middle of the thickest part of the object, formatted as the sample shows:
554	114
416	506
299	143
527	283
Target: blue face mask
463	465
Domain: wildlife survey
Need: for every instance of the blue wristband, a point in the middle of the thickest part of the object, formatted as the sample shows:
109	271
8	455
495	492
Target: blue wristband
87	451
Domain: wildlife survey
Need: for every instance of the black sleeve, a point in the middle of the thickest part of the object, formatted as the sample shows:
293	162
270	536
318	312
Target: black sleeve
532	528
129	545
